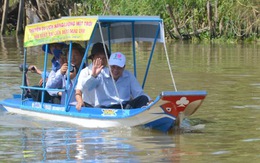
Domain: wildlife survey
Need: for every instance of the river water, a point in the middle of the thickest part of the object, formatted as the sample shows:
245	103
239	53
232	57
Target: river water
224	129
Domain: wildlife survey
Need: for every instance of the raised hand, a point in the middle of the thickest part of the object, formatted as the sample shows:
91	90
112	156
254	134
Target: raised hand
64	68
34	69
97	67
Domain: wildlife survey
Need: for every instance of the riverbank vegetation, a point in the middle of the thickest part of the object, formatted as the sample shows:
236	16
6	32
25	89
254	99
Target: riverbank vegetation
194	20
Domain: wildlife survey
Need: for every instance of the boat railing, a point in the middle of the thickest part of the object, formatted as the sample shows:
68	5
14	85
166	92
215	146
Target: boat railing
42	89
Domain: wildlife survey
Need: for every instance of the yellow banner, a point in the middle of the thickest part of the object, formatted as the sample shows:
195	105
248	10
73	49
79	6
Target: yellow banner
59	30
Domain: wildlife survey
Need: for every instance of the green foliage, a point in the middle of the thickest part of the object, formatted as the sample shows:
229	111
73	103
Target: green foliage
231	19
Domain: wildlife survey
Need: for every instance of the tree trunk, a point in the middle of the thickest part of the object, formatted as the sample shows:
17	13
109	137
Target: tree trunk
210	23
176	30
4	16
19	26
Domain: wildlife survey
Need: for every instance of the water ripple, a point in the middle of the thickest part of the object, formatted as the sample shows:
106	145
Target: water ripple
251	140
220	152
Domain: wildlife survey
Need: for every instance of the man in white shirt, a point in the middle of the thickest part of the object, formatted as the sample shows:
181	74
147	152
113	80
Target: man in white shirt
83	96
116	89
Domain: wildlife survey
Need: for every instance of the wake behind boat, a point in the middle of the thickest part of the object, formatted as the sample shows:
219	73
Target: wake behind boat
167	109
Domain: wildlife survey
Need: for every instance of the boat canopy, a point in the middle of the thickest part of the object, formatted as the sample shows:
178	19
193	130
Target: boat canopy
114	29
127	28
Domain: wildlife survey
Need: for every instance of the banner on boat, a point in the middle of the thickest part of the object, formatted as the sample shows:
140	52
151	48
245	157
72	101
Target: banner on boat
59	30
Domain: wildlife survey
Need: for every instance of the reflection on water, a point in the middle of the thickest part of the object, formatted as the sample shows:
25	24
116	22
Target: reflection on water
227	122
99	145
91	145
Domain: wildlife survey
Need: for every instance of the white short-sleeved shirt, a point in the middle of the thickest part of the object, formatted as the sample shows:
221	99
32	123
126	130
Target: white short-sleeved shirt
87	96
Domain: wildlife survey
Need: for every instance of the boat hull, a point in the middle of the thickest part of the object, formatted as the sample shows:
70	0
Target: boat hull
160	115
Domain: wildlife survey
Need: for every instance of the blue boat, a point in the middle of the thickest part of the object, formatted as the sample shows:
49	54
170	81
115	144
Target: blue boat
166	111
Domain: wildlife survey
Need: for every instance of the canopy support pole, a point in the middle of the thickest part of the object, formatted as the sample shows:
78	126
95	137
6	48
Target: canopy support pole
151	55
24	82
133	47
44	73
80	68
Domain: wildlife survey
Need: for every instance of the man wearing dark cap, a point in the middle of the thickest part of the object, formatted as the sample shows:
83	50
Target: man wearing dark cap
101	54
98	48
56	50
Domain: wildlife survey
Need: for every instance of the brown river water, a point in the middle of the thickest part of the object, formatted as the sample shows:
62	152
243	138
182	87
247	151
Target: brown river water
226	128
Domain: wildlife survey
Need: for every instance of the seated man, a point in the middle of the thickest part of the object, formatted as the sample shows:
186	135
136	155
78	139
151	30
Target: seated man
128	91
84	97
50	96
59	80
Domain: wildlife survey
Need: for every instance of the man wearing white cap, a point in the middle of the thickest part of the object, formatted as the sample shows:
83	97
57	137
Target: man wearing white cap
128	91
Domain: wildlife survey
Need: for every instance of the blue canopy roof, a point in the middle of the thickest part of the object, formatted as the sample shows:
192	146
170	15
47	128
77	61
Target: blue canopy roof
128	28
